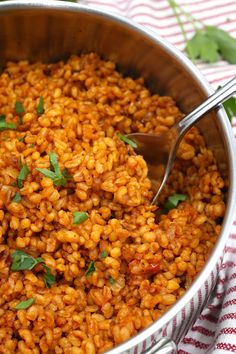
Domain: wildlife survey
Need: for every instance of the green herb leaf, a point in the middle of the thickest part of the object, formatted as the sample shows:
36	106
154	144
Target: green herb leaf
21	139
60	181
40	107
59	178
104	254
79	217
173	201
19	108
4	125
23	261
230	107
49	279
111	281
25	304
208	42
16	198
203	47
54	163
46	173
22	175
225	42
127	140
91	269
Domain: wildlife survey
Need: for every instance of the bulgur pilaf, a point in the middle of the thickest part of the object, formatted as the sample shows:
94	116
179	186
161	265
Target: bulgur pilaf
101	265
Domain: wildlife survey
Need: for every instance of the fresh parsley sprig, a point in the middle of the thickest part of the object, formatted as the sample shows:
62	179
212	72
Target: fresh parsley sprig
209	43
59	177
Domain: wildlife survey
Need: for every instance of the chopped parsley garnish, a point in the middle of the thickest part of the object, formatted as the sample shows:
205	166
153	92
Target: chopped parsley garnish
21	139
173	201
49	279
24	171
91	269
23	261
40	107
4	125
111	281
127	140
16	198
20	111
25	304
59	178
19	108
104	254
79	217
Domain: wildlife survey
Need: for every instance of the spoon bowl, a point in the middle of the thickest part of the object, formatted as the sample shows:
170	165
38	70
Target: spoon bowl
159	151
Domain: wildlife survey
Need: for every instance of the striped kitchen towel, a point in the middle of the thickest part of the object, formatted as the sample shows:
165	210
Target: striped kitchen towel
215	330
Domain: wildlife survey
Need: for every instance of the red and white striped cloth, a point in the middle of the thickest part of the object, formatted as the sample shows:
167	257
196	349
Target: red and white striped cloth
215	330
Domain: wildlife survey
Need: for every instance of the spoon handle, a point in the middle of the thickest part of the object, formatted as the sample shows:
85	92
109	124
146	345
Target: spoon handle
213	101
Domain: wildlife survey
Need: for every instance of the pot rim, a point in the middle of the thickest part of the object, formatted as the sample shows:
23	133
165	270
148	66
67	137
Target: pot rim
228	138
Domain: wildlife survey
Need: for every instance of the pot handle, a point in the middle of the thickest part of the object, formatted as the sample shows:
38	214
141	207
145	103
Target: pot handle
162	346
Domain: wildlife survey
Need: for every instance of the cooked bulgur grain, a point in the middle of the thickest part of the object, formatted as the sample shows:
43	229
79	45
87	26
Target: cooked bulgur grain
119	269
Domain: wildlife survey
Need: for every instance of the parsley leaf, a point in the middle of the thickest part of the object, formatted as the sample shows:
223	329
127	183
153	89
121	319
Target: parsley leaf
20	111
104	254
23	261
21	139
40	107
46	173
19	108
91	269
49	279
127	140
16	198
4	125
209	42
230	107
79	217
24	171
225	42
173	201
59	178
25	304
204	47
111	281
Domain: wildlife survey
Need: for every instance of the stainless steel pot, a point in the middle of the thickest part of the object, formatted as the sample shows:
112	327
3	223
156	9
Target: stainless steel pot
50	30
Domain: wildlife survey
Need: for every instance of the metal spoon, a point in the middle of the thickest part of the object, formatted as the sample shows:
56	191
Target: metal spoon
159	151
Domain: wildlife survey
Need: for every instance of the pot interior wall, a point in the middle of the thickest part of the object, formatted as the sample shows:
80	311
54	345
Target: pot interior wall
45	34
